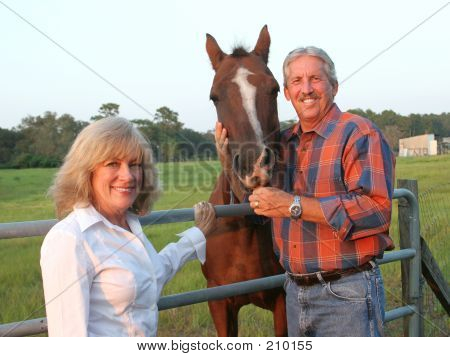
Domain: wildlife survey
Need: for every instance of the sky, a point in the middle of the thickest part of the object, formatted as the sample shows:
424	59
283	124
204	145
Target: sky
149	54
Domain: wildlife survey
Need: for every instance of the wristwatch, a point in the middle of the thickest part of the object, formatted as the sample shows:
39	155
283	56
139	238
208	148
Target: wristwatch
296	208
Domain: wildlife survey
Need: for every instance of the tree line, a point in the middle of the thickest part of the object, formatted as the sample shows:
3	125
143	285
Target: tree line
43	140
395	126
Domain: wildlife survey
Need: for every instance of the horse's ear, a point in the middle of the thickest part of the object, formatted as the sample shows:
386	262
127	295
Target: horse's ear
262	45
215	54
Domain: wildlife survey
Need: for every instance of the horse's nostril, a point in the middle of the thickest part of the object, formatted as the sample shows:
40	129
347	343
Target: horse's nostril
235	164
268	157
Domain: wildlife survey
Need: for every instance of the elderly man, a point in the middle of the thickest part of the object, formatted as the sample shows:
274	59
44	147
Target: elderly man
332	215
330	205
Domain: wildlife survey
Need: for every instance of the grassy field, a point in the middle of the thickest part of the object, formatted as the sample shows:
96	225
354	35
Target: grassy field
23	197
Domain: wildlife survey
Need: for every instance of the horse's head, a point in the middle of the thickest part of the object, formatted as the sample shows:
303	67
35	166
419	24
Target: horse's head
244	92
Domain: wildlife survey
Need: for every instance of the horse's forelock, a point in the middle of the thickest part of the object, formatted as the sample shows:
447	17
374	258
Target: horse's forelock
239	51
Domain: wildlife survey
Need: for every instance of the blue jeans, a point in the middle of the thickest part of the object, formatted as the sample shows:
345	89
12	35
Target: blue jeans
350	306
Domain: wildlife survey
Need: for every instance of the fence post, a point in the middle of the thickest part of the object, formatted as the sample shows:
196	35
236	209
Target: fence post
404	216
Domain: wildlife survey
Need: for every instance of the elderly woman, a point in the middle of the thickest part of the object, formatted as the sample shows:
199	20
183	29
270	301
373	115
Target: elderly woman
102	277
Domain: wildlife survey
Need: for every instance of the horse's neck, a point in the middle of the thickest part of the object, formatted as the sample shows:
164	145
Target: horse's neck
226	188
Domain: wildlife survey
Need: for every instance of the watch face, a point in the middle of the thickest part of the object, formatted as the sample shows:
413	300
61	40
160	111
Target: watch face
295	211
296	208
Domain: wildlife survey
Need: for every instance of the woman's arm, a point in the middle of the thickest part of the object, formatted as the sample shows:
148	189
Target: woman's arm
190	246
66	279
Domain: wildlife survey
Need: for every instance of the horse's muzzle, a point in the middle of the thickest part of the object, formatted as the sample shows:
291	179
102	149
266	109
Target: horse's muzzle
253	172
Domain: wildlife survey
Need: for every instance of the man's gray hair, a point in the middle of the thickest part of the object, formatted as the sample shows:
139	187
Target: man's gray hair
315	52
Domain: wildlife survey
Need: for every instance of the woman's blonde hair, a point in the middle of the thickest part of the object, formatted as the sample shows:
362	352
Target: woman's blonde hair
105	139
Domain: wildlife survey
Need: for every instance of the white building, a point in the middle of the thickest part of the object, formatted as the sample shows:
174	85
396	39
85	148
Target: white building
418	146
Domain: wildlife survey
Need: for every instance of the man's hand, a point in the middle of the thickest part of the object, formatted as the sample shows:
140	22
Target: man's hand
222	147
271	202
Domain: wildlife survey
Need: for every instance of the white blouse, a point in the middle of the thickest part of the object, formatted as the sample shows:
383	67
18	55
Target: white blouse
101	280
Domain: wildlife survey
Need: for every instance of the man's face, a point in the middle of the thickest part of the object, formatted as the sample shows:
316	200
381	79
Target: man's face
309	90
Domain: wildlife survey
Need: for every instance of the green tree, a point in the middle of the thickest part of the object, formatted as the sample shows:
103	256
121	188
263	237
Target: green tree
151	132
8	141
193	145
170	141
392	134
107	110
46	139
167	119
168	132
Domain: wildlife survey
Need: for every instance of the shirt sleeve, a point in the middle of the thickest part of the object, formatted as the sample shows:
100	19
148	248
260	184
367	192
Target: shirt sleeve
190	246
365	209
66	278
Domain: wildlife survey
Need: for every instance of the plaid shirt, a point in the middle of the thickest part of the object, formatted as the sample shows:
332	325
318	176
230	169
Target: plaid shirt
348	166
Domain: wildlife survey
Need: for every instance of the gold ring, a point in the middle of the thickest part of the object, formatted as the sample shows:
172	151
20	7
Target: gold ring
256	203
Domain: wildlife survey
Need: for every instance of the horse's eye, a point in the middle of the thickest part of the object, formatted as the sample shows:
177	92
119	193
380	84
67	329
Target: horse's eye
214	98
274	90
271	86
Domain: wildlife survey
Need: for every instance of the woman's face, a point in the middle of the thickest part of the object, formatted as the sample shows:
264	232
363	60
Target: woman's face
116	184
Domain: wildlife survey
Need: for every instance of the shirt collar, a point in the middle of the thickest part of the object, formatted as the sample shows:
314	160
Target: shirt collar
88	216
323	128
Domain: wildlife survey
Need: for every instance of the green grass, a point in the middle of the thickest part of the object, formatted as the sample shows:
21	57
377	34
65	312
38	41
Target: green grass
433	175
23	197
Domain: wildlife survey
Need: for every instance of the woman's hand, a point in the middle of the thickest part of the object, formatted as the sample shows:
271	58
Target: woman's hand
205	217
224	154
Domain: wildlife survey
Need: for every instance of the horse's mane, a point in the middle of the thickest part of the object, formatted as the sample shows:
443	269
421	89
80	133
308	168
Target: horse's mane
239	51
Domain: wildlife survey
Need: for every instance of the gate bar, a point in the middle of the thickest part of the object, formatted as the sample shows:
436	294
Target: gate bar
40	228
416	261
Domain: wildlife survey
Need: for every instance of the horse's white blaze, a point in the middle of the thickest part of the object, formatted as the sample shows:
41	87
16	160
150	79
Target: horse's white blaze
248	95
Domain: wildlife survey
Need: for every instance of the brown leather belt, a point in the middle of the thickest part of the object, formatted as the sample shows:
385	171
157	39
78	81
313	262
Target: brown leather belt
312	278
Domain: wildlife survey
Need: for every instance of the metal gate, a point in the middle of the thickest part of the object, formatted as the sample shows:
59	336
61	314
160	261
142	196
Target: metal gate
412	309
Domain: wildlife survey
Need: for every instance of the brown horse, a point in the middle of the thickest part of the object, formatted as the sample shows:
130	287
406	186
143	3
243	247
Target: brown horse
244	92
